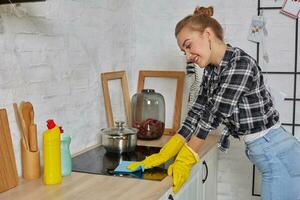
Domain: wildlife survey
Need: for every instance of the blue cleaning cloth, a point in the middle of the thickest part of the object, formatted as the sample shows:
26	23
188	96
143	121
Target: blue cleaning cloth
122	167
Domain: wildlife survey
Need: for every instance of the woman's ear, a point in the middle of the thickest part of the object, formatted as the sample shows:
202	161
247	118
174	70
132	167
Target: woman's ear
208	32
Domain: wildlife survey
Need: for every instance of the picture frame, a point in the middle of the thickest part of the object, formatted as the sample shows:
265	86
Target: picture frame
291	8
179	76
105	78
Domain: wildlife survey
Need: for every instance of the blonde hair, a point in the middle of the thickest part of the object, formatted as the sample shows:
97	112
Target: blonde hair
200	20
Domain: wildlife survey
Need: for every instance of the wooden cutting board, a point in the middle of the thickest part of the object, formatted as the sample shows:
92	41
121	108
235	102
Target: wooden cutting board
8	169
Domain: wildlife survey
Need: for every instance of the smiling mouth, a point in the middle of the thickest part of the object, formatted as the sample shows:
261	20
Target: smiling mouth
195	59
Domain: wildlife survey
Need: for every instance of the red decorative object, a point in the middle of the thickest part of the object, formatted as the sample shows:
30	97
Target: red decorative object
149	128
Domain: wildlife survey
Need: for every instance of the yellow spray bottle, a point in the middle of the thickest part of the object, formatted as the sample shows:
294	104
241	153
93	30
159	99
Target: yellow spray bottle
51	152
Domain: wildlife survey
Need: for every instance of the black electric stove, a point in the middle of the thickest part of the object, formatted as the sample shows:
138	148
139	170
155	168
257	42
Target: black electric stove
98	161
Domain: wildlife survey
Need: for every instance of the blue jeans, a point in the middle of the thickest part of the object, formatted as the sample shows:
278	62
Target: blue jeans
277	157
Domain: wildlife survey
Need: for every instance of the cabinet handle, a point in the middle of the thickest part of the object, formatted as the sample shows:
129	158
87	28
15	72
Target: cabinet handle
170	197
206	169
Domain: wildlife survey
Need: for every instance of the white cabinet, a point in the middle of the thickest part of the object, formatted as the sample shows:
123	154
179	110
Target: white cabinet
210	170
202	184
190	190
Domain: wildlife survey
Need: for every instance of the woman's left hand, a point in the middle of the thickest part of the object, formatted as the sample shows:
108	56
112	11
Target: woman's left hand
180	169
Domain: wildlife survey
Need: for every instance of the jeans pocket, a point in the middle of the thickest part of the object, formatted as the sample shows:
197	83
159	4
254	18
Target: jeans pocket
259	159
291	158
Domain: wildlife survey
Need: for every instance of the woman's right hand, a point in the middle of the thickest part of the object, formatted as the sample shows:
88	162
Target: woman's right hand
169	150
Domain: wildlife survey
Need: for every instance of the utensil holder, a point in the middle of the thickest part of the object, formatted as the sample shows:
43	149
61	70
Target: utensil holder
30	163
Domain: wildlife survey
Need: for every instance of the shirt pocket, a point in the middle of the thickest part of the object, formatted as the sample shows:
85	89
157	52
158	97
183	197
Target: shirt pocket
290	158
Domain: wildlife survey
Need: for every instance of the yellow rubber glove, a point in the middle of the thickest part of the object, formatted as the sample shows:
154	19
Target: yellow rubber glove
180	169
169	150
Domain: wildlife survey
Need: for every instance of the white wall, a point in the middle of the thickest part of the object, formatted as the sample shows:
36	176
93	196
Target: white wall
53	52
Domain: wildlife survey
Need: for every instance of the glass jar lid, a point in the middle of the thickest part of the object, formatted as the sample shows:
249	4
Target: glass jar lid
119	129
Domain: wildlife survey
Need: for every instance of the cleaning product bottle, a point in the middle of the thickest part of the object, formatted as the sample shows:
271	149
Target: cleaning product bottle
66	159
51	148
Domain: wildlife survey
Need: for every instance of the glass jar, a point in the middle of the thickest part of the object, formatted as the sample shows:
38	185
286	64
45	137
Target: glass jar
148	114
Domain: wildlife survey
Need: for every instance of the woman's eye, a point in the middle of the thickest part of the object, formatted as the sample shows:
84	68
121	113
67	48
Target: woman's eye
188	46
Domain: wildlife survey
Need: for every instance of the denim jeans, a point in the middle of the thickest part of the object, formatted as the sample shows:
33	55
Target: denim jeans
277	157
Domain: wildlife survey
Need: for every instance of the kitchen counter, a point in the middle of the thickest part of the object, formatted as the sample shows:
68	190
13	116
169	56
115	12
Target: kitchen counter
91	187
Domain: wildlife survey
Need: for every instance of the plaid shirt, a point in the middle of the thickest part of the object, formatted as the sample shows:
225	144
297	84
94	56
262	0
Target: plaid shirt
233	94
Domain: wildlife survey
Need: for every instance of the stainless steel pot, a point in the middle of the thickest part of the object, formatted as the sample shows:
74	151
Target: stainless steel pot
119	139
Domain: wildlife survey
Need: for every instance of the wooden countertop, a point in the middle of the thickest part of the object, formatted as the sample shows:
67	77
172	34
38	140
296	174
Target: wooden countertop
91	187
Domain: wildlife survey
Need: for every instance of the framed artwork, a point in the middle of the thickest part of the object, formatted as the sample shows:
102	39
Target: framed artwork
106	77
178	76
291	8
257	29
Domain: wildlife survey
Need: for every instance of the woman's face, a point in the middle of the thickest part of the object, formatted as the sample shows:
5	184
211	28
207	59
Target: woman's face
195	45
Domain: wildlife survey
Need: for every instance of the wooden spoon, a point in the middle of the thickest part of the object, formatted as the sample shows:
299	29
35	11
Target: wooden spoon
27	107
20	123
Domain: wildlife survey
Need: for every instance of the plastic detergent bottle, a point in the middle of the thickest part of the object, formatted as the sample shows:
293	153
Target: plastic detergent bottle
66	159
51	154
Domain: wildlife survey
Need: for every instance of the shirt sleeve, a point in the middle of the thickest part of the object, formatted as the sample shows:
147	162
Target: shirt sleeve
193	116
235	80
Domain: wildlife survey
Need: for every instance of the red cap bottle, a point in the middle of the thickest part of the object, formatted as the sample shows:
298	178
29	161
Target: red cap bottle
50	124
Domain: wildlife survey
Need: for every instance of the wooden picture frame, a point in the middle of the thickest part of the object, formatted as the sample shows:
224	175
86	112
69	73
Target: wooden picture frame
107	76
179	75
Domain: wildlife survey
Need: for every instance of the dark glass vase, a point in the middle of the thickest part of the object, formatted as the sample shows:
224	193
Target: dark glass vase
148	114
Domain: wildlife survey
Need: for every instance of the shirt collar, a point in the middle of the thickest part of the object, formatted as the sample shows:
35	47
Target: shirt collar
225	60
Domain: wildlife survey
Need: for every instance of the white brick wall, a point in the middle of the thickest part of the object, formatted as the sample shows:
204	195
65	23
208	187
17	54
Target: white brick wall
52	54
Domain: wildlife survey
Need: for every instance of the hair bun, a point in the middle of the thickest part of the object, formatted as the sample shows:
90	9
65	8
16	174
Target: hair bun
209	11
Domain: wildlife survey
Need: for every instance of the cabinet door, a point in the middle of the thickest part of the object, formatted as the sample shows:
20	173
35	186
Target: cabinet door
202	184
190	190
209	180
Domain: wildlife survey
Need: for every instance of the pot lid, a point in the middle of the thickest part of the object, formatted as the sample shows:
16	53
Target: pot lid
119	129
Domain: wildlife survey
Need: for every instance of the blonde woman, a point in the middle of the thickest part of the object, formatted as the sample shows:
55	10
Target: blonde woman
232	92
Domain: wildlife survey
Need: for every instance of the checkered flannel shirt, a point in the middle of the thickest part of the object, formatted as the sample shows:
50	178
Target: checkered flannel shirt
234	94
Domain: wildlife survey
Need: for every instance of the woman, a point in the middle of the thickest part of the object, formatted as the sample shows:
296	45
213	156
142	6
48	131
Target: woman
232	92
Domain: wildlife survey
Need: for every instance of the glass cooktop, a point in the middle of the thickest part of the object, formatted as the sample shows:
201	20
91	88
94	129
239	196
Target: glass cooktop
98	161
